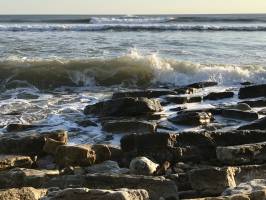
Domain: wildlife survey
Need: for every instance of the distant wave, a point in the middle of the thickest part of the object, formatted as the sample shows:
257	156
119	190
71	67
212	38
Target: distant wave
128	70
127	27
61	19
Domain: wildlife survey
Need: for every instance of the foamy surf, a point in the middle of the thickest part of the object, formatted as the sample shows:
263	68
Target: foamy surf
132	69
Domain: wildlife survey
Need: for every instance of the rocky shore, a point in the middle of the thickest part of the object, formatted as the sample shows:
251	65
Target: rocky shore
222	156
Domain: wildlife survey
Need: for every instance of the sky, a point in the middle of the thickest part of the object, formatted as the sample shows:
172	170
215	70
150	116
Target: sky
131	6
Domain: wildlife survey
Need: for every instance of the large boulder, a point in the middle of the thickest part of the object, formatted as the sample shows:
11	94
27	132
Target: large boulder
25	193
259	124
157	187
219	95
242	154
252	91
85	193
28	143
192	118
212	181
12	161
105	152
124	107
79	155
129	126
21	177
142	166
239	114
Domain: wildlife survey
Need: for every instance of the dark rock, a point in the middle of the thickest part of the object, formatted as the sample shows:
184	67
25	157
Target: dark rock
202	84
12	161
19	127
143	93
124	107
177	109
219	95
86	123
192	118
181	180
259	124
185	90
183	99
262	112
256	103
252	91
246	83
129	126
148	141
28	143
238	114
46	162
157	187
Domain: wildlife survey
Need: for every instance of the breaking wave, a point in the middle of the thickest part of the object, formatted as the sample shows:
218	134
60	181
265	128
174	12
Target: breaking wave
132	69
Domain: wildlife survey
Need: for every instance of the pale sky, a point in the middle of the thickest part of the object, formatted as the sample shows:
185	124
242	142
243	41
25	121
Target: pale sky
131	6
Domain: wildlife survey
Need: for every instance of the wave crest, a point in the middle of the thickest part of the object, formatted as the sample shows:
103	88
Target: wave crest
132	69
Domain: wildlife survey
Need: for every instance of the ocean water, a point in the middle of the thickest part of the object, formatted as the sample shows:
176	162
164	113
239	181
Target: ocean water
52	66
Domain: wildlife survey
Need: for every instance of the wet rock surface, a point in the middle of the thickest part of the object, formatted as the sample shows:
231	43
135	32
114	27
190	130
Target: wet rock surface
206	149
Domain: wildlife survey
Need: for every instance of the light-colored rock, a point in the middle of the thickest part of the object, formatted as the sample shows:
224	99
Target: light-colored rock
26	193
142	166
85	193
108	166
12	161
242	154
79	155
212	181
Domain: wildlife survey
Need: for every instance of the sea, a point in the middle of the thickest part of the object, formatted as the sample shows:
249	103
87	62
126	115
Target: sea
52	66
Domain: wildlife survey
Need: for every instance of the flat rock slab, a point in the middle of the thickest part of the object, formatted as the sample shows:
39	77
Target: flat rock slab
256	103
129	126
127	106
242	154
202	84
28	143
12	161
219	95
252	91
192	118
157	187
85	193
259	124
21	177
239	114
